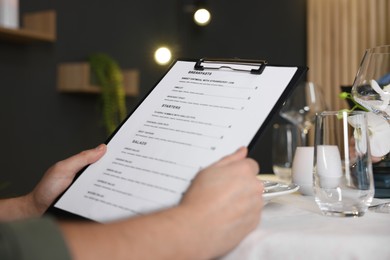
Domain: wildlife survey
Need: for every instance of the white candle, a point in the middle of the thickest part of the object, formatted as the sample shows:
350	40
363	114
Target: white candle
329	166
302	169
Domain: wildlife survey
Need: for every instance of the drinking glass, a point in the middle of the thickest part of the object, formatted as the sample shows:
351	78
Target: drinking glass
371	87
301	107
343	179
285	140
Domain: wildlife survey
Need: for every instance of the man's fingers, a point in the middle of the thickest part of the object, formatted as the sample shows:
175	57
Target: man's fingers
246	165
237	155
76	162
255	167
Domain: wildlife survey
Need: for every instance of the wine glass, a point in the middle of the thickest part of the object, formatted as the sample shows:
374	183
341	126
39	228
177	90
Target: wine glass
285	139
301	108
371	87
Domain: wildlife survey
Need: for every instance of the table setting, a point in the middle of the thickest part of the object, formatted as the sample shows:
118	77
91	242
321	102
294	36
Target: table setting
324	205
293	227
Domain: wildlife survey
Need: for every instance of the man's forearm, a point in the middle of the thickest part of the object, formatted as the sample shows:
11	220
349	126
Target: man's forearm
167	234
17	208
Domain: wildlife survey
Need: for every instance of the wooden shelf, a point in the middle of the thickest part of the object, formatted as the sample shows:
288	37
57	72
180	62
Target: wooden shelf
37	27
75	77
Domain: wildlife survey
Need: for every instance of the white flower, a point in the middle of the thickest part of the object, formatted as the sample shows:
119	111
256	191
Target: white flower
383	93
386	89
379	134
379	130
378	126
360	140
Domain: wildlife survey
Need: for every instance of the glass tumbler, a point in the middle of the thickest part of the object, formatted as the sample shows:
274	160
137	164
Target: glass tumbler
343	178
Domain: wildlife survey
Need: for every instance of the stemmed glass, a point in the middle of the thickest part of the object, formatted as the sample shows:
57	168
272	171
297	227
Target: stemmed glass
301	108
371	87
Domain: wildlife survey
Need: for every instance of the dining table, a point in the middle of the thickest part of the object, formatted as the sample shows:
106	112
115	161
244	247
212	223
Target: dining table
292	227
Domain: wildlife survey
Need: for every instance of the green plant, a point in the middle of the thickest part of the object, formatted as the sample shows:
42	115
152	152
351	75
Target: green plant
379	129
348	96
109	77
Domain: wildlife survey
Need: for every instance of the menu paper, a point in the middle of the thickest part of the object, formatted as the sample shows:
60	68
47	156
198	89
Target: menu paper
191	119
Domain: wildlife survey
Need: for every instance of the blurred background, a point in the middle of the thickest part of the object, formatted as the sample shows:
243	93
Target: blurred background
40	125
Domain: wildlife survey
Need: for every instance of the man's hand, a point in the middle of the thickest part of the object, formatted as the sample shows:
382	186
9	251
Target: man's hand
53	183
58	177
226	199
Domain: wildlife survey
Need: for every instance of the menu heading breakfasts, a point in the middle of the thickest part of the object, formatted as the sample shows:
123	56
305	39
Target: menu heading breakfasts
188	121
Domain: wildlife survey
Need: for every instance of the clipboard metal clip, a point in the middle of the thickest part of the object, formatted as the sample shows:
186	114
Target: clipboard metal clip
255	66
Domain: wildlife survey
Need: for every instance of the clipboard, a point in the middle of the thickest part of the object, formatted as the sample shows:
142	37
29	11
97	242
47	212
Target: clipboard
198	112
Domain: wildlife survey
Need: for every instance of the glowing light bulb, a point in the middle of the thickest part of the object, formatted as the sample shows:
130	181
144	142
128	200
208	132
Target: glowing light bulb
202	17
162	55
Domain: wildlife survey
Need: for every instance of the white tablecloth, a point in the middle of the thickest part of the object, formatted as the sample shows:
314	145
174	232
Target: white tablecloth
292	227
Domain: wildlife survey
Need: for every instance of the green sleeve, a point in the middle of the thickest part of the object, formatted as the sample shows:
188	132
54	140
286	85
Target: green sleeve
32	239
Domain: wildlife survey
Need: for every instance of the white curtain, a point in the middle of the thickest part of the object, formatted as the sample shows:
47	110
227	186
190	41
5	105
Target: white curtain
338	32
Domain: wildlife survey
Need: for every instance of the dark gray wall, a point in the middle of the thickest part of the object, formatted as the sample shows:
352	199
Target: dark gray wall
40	126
